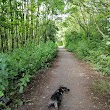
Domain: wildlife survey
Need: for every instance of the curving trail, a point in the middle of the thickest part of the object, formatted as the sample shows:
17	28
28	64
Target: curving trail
69	71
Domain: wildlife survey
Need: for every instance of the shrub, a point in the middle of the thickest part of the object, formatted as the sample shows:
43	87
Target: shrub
17	67
90	49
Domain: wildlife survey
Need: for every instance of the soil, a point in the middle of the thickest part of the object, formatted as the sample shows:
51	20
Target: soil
71	72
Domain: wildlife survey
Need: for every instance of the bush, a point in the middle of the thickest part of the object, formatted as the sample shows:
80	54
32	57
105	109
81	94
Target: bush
70	47
17	67
92	50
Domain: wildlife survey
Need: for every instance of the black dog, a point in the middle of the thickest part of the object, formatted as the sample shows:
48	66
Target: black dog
56	98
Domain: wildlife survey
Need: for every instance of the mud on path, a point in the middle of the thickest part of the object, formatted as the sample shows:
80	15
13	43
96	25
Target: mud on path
69	71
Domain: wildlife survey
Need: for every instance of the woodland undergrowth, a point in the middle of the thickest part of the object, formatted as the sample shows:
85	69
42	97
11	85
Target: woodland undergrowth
18	67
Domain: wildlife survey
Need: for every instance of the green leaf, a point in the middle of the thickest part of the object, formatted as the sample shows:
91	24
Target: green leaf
8	109
21	89
1	93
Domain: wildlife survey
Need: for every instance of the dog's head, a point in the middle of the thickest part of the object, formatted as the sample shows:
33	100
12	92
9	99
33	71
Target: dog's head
63	89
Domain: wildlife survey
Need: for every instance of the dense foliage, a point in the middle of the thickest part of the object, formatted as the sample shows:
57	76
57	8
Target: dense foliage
23	21
27	26
87	32
27	40
17	67
93	51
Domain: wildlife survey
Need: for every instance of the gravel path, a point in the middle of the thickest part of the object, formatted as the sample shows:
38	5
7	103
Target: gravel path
69	71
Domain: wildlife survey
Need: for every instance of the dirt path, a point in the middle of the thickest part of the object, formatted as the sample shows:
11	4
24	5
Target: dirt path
68	71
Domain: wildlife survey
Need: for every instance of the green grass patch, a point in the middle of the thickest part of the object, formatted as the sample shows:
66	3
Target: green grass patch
102	87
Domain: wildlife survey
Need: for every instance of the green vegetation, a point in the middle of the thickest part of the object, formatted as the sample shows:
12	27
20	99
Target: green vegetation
87	32
93	51
23	21
27	41
19	66
28	30
102	89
